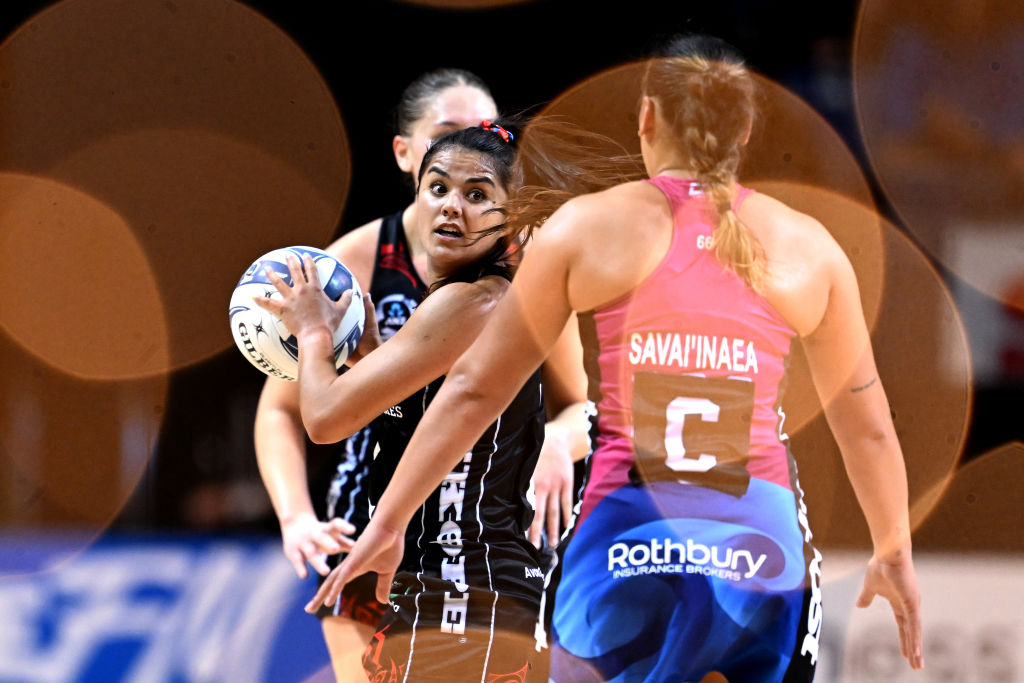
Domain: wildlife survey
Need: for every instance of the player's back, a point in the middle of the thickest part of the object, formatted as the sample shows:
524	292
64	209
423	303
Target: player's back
686	370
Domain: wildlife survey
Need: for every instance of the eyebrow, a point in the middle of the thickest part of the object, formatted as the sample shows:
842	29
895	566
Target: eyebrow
474	179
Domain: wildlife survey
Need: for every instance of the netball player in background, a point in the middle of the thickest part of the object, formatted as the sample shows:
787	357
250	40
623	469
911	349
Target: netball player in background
387	258
692	552
466	602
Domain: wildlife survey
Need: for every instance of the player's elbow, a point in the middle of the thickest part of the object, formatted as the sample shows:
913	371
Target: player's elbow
321	427
318	435
464	388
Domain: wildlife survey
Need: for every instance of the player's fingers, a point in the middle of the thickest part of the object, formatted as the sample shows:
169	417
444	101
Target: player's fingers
342	543
341	526
268	304
384	582
867	595
914	636
901	626
540	506
275	279
319	563
308	548
312	274
298	564
320	596
566	506
554	523
295	269
326	543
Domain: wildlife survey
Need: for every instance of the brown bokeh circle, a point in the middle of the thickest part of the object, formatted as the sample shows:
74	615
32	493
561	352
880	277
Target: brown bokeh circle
72	450
939	102
200	124
979	506
79	290
923	361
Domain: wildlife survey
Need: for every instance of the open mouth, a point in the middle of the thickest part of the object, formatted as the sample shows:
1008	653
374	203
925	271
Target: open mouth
447	232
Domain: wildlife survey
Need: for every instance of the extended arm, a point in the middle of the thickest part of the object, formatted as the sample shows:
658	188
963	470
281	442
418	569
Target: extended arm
846	378
281	457
565	435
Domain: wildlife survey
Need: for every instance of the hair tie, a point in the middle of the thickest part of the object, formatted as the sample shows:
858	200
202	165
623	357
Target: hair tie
506	135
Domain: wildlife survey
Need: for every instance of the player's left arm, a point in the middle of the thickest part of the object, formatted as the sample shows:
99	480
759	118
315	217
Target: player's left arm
565	435
846	378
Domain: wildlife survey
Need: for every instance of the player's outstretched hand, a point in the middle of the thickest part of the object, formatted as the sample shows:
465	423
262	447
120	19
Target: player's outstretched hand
552	492
896	581
379	549
308	540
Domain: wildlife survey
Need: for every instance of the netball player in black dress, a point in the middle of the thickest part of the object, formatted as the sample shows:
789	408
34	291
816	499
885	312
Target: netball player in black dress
387	258
466	601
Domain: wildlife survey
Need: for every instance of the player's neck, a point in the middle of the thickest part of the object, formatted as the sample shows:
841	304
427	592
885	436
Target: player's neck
417	253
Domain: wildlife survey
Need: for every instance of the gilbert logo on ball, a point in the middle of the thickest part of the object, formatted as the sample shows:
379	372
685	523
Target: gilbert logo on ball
263	338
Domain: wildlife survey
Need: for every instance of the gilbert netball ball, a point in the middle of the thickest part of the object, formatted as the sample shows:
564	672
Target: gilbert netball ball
262	337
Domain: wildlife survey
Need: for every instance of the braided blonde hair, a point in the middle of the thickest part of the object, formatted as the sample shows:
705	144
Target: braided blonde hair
706	94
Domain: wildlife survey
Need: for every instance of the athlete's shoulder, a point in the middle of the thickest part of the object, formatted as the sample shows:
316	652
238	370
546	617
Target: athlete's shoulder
779	216
618	196
782	228
805	261
584	216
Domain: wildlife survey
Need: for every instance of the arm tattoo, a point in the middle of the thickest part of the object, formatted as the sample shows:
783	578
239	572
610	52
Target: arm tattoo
862	388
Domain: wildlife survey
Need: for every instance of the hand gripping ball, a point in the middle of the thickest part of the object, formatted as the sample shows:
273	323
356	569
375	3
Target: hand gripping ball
262	337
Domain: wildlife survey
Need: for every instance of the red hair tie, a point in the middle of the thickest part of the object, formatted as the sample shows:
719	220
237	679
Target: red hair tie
506	135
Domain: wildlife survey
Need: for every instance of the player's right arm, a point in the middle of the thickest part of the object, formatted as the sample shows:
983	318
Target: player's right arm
280	438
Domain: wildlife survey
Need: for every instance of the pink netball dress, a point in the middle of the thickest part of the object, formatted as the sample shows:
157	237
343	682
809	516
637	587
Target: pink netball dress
691	552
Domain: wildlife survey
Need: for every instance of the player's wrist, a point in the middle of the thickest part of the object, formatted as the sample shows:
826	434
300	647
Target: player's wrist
316	334
291	517
893	553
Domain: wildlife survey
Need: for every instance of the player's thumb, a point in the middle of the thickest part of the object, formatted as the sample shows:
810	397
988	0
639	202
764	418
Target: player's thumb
384	587
866	596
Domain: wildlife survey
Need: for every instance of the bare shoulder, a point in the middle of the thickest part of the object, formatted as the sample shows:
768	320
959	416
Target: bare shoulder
788	234
805	263
636	195
586	217
357	249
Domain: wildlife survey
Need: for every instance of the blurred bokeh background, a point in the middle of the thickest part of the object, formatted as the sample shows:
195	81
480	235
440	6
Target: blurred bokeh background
151	149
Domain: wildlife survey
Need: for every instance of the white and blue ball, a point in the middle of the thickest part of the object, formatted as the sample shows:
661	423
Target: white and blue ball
262	337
